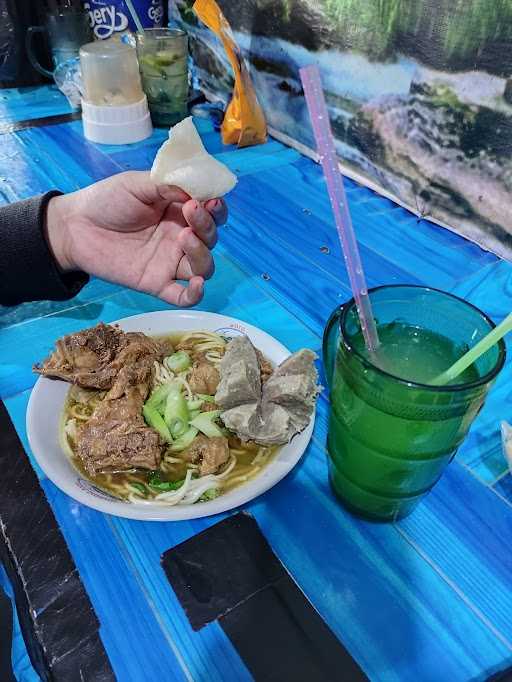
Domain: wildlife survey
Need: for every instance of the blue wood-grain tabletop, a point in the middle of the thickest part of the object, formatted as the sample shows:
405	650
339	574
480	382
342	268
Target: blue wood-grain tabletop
427	598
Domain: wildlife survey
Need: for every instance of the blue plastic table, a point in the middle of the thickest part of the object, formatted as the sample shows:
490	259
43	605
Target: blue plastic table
428	598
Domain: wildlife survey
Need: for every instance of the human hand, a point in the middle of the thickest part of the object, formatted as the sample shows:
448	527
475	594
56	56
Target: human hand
128	230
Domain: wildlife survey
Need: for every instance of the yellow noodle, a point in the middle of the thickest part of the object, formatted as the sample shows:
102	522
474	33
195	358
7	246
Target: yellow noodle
204	335
65	444
242	477
208	346
118	486
262	455
243	468
76	412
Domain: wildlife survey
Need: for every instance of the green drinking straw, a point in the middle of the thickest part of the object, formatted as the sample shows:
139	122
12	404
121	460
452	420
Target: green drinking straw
135	16
472	355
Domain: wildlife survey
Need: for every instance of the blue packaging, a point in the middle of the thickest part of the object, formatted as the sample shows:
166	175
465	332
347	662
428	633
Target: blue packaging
108	17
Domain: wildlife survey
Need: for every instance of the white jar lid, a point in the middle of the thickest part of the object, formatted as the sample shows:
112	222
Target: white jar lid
117	124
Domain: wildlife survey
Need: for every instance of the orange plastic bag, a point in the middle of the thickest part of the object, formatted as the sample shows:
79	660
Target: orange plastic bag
244	121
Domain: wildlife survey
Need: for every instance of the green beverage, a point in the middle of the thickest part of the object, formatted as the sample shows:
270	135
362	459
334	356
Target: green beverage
415	354
391	433
163	63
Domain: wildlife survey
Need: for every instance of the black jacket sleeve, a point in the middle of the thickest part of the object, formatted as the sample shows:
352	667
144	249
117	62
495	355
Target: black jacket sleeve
28	271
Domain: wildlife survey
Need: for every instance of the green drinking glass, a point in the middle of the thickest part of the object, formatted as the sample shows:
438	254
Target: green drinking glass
391	434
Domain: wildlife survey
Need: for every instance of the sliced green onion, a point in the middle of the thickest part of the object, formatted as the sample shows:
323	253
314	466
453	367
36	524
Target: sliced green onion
206	398
156	483
209	494
184	441
159	395
176	414
178	362
154	419
193	414
205	423
194	404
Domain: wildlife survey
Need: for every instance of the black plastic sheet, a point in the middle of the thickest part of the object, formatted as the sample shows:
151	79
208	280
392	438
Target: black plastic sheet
229	573
6	674
57	620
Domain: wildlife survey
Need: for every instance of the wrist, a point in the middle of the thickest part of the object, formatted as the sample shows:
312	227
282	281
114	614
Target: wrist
56	232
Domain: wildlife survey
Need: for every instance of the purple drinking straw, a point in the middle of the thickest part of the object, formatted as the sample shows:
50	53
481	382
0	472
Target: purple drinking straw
315	100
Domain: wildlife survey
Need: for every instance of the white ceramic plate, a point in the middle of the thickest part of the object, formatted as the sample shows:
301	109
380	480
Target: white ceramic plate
47	402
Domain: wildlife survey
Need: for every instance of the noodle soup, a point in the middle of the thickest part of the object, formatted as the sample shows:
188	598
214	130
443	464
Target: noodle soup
179	478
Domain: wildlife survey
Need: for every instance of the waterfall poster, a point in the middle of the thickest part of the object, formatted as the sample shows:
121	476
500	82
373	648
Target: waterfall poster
419	95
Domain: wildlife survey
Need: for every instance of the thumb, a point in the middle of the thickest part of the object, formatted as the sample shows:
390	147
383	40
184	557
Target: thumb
172	194
140	184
